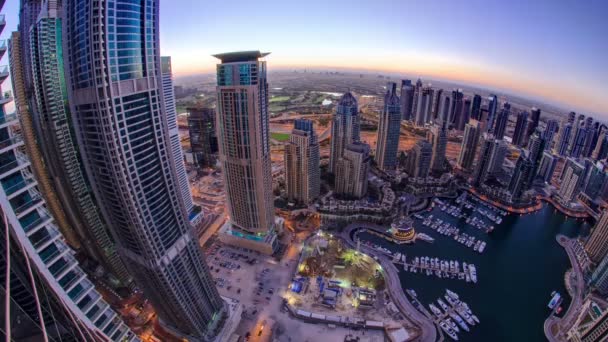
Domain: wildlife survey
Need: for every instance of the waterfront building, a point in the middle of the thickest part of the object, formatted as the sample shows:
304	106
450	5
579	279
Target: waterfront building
599	277
388	130
550	131
597	243
53	139
243	136
563	140
577	137
194	212
533	121
546	169
591	324
352	170
123	134
407	99
466	115
203	138
48	296
491	157
419	159
492	111
502	118
345	128
520	129
439	139
499	154
476	107
470	139
590	138
444	110
571	181
595	180
571	117
521	181
302	175
536	146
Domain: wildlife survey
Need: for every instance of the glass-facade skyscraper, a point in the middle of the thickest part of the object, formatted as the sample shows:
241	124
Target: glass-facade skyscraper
117	103
388	130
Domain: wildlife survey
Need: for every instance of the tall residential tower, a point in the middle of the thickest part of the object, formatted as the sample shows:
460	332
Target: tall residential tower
388	130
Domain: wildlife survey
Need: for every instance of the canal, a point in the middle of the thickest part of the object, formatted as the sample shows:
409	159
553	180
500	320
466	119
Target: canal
520	267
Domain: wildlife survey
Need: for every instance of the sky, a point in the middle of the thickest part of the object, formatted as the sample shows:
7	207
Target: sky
553	50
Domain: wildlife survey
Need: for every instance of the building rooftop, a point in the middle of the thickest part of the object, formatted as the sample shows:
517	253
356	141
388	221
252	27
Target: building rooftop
240	56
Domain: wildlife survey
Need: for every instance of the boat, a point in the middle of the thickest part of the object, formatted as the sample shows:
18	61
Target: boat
473	273
435	310
482	247
452	294
424	237
452	325
443	305
460	321
464	314
449	331
555	300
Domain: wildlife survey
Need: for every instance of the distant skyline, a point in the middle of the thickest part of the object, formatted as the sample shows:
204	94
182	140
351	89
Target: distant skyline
545	49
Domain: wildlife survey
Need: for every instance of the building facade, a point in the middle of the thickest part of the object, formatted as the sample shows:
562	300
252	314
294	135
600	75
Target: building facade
419	159
345	128
468	149
352	171
520	129
407	99
117	103
203	139
388	130
546	168
571	181
302	175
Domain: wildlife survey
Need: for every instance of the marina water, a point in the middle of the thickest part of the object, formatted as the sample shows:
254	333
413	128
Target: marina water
520	267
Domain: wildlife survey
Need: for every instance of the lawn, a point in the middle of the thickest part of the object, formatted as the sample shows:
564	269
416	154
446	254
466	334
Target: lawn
279	99
279	136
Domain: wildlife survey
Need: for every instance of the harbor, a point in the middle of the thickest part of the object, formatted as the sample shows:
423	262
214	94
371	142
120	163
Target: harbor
521	250
440	268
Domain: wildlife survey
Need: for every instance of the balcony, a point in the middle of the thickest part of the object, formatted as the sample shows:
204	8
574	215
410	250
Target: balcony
8	120
3	69
20	187
30	204
11	143
3	45
35	225
20	162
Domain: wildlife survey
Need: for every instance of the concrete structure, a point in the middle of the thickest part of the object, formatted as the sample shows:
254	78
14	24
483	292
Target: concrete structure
352	170
601	147
533	121
419	159
551	130
563	140
243	136
124	139
595	180
424	105
388	130
466	157
476	108
48	295
521	181
439	139
502	118
597	244
489	159
203	139
302	175
599	278
492	111
345	128
407	99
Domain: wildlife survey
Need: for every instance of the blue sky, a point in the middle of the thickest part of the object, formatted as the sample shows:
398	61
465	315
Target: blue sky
551	49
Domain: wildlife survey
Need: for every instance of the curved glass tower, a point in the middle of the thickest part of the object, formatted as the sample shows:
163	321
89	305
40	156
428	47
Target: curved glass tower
116	100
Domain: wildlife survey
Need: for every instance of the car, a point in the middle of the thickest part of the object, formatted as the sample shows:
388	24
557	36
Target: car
238	291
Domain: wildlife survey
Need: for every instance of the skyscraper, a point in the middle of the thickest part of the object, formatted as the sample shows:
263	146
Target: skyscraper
388	130
547	166
597	244
117	106
476	107
407	99
577	136
521	180
419	159
599	277
601	147
456	109
563	140
571	181
490	159
203	139
502	118
345	128
499	153
533	121
550	132
302	175
176	147
595	180
243	136
466	157
352	170
536	146
520	129
437	102
492	111
45	287
440	141
424	106
416	98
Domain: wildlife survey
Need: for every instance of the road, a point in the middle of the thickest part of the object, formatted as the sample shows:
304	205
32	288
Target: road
555	327
428	332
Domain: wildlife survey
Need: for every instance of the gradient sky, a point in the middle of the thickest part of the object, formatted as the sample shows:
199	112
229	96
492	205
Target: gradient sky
555	50
551	49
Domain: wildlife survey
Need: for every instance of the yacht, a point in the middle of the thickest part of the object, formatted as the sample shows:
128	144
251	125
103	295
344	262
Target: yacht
460	321
473	272
449	331
443	305
452	325
452	294
435	310
482	247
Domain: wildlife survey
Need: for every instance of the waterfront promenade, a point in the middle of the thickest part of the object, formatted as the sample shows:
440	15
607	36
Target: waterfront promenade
428	331
564	210
527	210
555	327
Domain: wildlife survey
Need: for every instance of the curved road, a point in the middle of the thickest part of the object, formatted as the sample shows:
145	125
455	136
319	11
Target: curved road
428	332
555	327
